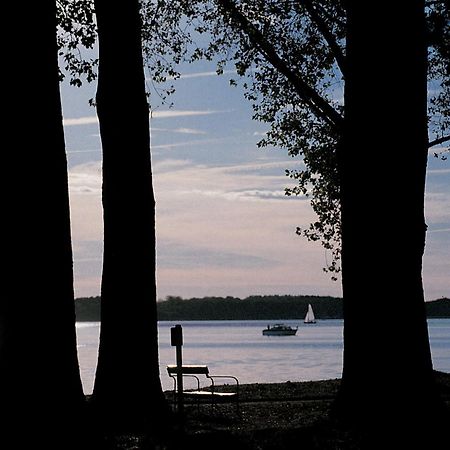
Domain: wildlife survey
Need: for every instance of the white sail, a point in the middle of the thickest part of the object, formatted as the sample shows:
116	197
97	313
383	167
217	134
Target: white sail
309	318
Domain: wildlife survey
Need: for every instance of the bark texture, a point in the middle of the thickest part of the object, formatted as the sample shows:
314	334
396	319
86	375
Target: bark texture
127	386
383	160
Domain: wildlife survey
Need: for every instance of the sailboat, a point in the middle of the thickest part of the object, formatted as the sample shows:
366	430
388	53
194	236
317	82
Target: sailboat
309	318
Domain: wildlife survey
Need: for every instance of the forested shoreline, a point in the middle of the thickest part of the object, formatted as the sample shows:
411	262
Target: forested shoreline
267	307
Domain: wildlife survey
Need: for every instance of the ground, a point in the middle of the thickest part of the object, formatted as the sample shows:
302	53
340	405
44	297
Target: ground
270	416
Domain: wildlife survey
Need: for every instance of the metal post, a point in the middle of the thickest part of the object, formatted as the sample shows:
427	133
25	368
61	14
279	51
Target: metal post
180	378
177	342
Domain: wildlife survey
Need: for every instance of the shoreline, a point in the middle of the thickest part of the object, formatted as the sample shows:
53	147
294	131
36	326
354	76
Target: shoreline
256	307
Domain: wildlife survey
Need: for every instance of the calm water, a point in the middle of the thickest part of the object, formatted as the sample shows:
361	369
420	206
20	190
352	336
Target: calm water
238	348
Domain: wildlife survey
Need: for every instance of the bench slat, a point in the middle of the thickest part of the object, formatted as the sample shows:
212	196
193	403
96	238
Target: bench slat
209	393
189	369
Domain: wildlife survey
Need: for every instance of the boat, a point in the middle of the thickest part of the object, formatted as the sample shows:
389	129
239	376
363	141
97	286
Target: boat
309	318
279	329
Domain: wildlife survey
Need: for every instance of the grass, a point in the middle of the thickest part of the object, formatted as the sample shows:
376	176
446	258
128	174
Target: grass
274	416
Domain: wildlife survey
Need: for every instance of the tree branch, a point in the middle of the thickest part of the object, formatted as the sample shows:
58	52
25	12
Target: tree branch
438	141
318	104
328	36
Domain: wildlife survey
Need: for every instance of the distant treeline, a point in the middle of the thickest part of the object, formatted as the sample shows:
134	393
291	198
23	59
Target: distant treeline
267	307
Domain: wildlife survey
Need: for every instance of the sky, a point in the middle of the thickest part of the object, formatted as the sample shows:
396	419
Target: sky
224	225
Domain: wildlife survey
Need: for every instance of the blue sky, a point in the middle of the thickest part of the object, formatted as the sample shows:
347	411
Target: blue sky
224	226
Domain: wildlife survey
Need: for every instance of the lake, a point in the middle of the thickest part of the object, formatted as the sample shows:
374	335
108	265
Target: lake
238	348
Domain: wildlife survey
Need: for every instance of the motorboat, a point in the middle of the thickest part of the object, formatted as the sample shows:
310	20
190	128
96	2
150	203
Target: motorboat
279	329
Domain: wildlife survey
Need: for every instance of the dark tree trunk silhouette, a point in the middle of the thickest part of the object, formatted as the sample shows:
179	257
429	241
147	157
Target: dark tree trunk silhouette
127	384
388	374
40	386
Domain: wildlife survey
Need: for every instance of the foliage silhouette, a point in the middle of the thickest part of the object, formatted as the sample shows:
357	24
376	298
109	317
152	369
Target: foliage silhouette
255	307
291	56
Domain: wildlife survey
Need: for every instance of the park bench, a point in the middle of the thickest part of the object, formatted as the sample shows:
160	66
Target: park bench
208	394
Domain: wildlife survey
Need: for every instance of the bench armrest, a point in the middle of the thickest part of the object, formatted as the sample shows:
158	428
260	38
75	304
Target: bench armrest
212	377
184	375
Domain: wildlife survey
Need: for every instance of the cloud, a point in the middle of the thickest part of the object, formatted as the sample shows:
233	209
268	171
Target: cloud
188	131
437	208
209	227
206	74
193	143
438	230
437	150
263	181
170	164
263	167
211	73
245	195
217	217
94	150
438	171
180	130
183	113
87	120
91	120
229	230
173	255
86	179
87	227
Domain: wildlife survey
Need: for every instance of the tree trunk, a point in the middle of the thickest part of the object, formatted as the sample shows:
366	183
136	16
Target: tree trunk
127	384
388	371
40	390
